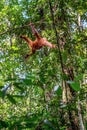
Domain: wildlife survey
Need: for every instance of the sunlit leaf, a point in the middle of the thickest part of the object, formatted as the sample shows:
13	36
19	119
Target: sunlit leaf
74	85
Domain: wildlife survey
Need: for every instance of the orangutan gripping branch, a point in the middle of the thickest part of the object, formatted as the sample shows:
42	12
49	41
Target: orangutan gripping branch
38	43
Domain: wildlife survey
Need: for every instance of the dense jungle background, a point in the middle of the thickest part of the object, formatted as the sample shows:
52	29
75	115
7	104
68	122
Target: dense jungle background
48	91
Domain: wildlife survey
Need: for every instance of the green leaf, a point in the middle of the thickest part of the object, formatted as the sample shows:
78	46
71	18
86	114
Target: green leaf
74	85
27	81
19	86
11	99
59	91
3	124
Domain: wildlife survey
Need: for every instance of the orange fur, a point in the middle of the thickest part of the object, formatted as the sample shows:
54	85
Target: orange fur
38	43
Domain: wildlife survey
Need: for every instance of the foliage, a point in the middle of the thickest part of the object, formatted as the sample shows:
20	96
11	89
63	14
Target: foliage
24	84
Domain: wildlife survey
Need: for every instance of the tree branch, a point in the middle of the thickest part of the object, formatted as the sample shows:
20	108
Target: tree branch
9	30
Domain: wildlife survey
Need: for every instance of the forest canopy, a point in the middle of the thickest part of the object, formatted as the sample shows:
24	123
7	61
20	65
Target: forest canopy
46	91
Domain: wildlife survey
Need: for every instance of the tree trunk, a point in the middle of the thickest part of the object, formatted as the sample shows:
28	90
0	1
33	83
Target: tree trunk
80	116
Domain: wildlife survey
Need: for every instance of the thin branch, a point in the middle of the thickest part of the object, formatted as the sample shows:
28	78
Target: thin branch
57	37
12	29
9	30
